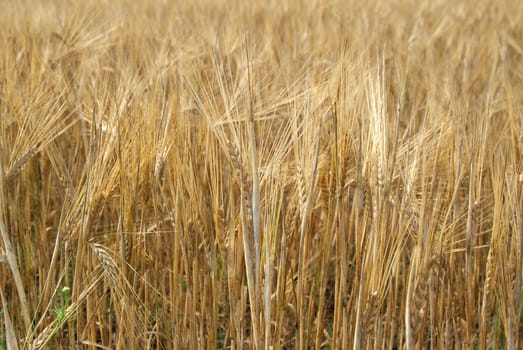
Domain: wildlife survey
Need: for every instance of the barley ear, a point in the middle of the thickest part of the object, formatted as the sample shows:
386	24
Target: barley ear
19	163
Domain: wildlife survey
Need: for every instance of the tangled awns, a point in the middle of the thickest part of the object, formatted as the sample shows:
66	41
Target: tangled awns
280	174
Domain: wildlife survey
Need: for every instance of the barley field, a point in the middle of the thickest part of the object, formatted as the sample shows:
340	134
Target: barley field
280	174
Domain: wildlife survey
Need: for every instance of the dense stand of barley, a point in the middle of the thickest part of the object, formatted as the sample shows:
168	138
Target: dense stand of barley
261	174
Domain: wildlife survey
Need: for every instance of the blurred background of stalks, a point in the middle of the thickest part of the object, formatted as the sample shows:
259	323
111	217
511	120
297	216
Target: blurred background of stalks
282	174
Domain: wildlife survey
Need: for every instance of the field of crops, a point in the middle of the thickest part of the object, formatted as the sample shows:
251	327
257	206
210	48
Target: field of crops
280	174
